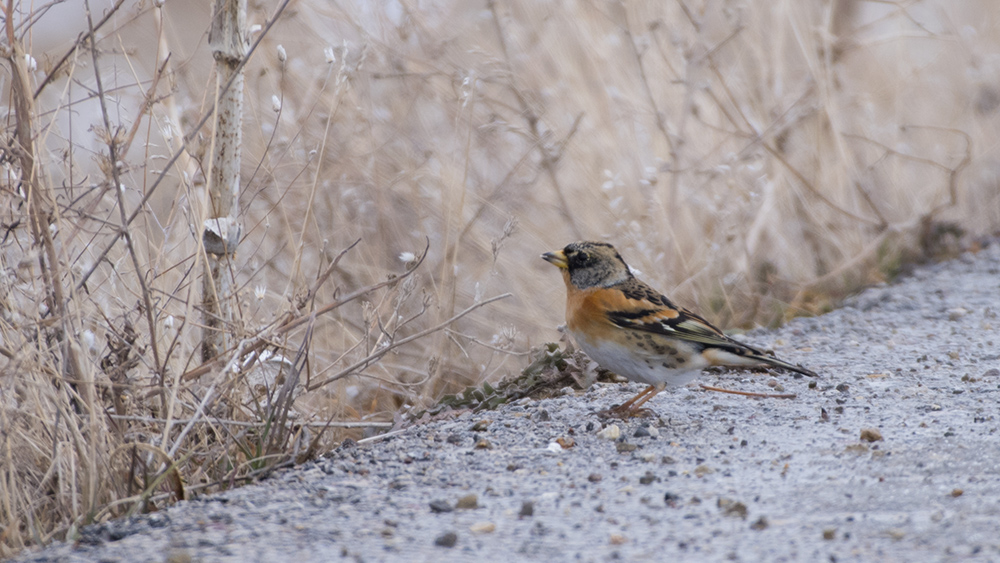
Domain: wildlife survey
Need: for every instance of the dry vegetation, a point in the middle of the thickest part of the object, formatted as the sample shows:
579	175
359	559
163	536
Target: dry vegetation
759	160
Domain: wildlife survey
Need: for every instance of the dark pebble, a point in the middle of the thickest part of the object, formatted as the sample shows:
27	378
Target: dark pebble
624	447
440	506
454	439
648	478
641	432
671	499
527	509
595	477
447	539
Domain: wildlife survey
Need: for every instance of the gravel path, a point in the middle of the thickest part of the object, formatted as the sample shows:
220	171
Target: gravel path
893	456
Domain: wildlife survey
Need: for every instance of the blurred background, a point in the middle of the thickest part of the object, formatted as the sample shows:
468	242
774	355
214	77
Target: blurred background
755	161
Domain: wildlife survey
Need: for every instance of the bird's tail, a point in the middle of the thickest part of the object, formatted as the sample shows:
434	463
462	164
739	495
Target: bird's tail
771	360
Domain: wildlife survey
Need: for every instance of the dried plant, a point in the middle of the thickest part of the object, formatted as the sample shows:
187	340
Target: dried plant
403	165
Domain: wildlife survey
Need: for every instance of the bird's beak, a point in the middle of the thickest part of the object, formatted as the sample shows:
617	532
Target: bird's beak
558	258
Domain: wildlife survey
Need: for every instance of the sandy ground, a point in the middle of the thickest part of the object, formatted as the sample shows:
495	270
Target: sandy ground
893	455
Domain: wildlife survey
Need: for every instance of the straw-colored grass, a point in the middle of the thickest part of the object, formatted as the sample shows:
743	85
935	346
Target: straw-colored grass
757	161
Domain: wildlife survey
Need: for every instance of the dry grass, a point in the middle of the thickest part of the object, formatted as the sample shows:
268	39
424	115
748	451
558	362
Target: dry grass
758	163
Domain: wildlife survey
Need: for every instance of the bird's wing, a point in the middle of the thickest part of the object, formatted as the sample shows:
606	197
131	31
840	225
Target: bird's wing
642	308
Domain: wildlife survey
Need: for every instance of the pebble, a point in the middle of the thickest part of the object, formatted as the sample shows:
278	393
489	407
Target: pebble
731	507
625	447
484	444
566	443
468	502
871	435
648	478
610	432
703	470
447	539
641	432
829	533
483	528
760	524
957	313
527	509
595	477
440	506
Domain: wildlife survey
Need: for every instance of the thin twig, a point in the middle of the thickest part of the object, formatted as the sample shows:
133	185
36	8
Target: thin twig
81	40
361	364
177	154
292	323
749	393
224	422
118	189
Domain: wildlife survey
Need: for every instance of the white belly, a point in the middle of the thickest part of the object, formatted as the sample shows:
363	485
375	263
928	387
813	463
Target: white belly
641	366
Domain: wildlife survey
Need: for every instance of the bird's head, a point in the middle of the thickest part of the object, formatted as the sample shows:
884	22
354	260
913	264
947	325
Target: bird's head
590	264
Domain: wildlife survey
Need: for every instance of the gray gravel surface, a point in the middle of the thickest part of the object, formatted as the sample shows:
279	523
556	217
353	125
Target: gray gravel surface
893	455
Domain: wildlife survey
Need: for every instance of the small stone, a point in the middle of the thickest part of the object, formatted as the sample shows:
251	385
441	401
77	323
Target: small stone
760	524
595	477
953	355
625	447
648	478
843	387
957	313
935	407
484	444
957	492
871	435
667	460
483	528
610	432
544	415
481	426
566	443
703	470
895	533
641	432
440	506
992	372
178	556
527	509
857	449
829	533
732	507
447	539
671	499
617	539
468	502
455	439
653	432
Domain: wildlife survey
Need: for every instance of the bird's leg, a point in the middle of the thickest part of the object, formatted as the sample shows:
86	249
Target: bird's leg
630	407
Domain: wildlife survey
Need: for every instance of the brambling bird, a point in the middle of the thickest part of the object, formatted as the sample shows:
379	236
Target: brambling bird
631	329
